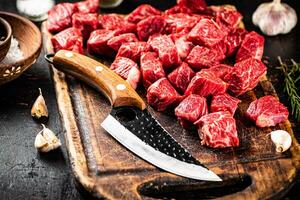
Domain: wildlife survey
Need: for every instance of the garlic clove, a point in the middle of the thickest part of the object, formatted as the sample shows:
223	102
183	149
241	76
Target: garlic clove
275	18
46	140
282	140
39	108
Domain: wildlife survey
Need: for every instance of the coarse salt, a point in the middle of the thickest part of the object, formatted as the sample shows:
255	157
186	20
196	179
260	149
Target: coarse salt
14	53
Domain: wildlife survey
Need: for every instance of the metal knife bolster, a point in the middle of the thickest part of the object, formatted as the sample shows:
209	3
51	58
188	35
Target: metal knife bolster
146	128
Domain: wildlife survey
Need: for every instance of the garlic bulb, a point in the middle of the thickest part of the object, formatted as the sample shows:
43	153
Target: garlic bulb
281	139
275	18
39	108
46	140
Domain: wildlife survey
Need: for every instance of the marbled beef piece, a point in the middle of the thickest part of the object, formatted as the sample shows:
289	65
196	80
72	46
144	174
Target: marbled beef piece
245	75
151	68
181	77
88	6
68	39
220	70
142	12
228	18
267	111
205	84
203	57
133	50
183	46
115	22
117	41
233	40
252	47
97	43
224	102
178	22
218	130
150	26
128	70
207	32
86	23
178	9
161	95
190	110
166	49
60	17
195	5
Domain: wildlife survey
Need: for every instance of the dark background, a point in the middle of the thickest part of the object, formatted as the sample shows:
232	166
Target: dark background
26	174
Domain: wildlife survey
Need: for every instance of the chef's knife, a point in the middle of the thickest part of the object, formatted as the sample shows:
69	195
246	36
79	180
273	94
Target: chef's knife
129	121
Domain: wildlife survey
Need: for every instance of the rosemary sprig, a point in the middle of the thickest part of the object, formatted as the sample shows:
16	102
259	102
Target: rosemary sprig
290	85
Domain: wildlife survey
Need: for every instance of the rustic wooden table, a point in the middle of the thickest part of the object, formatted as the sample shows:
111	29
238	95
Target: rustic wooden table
25	174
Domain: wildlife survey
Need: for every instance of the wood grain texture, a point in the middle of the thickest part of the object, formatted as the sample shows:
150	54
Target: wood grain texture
99	76
30	42
5	42
252	171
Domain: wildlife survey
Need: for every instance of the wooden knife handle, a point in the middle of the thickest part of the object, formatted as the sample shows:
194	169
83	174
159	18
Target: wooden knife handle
118	91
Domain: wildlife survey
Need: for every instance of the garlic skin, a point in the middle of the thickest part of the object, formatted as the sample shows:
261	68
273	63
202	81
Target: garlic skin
282	140
39	108
275	18
46	140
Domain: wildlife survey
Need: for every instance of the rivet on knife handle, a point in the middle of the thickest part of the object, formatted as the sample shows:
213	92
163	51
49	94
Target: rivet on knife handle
119	92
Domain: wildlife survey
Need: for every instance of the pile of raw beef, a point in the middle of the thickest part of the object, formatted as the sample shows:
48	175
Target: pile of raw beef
178	55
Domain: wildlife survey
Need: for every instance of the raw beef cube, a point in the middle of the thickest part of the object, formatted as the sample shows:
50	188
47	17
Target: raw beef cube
161	95
60	17
166	49
175	23
151	68
86	23
218	130
252	47
128	70
224	102
88	6
220	47
191	109
206	84
228	19
183	46
207	32
181	77
220	70
233	40
116	42
150	26
142	12
176	36
201	57
97	43
178	9
69	39
245	75
194	5
133	50
110	21
267	111
116	22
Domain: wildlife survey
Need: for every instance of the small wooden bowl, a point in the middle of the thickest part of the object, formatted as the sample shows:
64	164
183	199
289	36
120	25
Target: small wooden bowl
30	41
4	45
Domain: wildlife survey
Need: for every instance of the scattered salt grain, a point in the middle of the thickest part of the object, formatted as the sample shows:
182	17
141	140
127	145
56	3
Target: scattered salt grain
14	53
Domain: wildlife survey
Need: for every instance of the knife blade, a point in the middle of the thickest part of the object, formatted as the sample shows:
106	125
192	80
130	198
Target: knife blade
129	121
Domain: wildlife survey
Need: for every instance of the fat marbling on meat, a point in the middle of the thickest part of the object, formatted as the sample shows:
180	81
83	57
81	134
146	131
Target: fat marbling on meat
218	130
267	111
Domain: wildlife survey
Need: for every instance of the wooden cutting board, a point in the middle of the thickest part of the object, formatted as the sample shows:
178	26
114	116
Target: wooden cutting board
107	170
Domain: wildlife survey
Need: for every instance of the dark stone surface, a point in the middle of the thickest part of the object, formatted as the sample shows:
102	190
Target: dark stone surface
26	174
